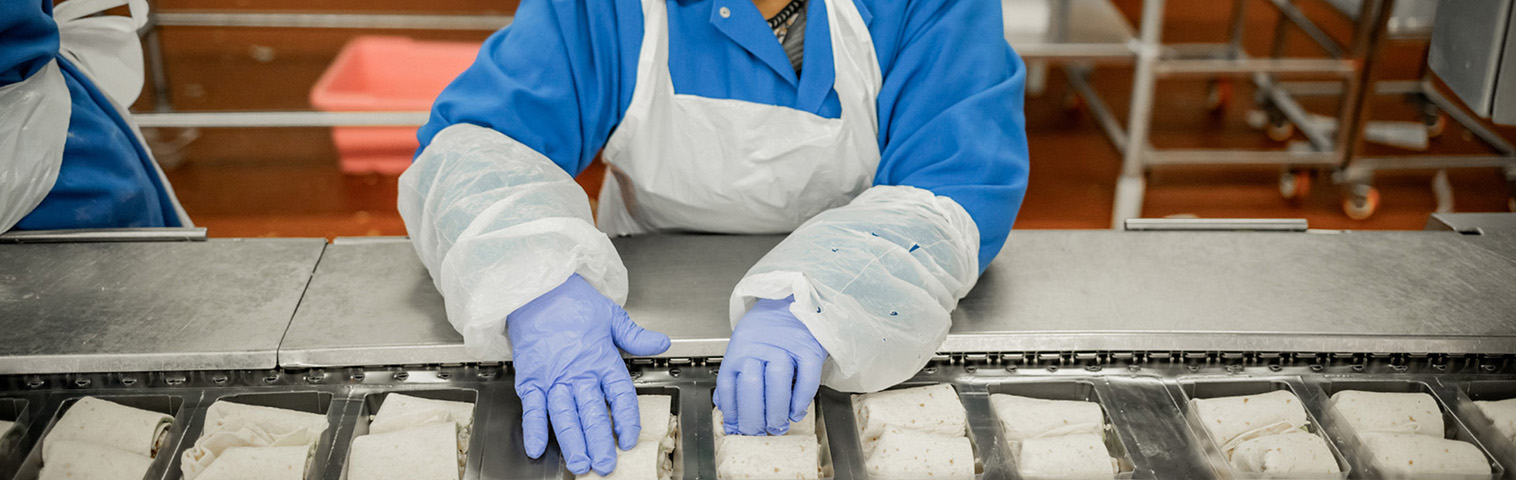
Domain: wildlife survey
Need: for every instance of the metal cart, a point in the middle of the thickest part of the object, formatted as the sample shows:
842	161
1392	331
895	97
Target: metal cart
1345	65
1139	322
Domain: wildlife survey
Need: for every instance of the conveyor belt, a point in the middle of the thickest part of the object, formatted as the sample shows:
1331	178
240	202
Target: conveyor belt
1144	398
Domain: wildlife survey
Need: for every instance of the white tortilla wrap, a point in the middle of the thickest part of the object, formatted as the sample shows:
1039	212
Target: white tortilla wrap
1389	412
933	409
805	427
231	425
5	427
107	423
1403	455
646	461
1233	420
1500	412
655	413
1294	452
400	412
1025	418
275	421
745	457
422	453
259	463
78	460
1081	456
908	454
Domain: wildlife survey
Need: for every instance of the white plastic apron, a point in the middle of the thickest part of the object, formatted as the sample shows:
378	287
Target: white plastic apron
682	162
106	48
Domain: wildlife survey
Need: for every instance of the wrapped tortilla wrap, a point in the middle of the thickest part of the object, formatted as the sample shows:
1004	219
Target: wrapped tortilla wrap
1501	412
805	427
1294	452
276	421
657	418
106	423
254	463
1404	455
646	461
1389	412
1081	455
1026	418
423	453
400	412
230	425
745	457
933	409
5	427
910	454
79	460
1233	420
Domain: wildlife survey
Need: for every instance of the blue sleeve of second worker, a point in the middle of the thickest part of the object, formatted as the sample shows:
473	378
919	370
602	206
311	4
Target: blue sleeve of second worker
28	38
950	110
552	80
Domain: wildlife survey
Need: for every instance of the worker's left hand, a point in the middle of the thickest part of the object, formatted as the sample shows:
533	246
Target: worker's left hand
770	373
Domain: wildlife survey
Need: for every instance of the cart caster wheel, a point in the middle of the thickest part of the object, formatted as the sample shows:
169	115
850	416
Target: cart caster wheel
1295	185
1280	131
1219	96
1362	207
1257	119
1436	125
1073	103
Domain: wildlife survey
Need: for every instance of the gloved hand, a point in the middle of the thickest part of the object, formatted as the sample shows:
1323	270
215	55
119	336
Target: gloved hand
771	371
564	348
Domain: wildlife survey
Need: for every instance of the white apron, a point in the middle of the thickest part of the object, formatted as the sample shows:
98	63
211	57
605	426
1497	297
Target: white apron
687	163
106	48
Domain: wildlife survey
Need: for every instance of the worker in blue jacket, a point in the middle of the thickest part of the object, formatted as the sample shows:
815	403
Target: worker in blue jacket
885	137
72	156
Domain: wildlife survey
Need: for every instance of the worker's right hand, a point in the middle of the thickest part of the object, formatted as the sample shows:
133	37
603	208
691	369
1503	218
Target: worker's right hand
564	348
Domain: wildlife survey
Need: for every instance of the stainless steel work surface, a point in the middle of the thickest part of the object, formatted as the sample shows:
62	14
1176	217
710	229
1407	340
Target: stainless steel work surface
1304	292
373	303
1049	291
120	307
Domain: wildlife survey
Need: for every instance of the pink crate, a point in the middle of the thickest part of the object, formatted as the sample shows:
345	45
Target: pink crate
381	73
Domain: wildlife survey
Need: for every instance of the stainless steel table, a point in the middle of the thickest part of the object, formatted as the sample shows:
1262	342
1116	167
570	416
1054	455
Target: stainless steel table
1049	291
123	307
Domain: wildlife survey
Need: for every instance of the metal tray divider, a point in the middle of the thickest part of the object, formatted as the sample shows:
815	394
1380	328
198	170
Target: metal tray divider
984	429
15	442
1451	418
1105	392
697	443
498	418
842	433
1154	429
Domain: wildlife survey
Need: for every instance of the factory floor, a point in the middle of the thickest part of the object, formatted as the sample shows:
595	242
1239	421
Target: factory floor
286	182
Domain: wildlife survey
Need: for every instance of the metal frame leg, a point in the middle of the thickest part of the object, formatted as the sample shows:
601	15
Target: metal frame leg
1131	187
1366	37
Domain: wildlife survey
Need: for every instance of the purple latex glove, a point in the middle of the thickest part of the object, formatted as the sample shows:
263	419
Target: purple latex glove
770	373
564	348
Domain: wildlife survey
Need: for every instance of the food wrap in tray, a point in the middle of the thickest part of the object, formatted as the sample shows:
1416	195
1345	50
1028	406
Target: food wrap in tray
421	453
1390	412
77	460
1233	420
1294	452
107	423
768	458
1405	455
229	425
1081	455
1503	414
258	463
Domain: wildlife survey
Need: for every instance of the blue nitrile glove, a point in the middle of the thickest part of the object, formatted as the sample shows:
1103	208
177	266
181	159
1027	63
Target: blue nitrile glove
567	366
770	372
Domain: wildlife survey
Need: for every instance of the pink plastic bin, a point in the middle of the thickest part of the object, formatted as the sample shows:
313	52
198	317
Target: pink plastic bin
380	73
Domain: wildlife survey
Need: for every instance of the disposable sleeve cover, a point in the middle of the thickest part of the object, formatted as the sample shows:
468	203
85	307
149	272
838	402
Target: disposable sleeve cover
874	281
498	224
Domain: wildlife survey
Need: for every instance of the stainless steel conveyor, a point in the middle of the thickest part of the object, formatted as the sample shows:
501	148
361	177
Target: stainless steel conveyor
1140	322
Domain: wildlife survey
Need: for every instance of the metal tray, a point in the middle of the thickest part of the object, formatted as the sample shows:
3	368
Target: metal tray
169	404
1075	389
371	402
1192	388
1454	428
13	440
